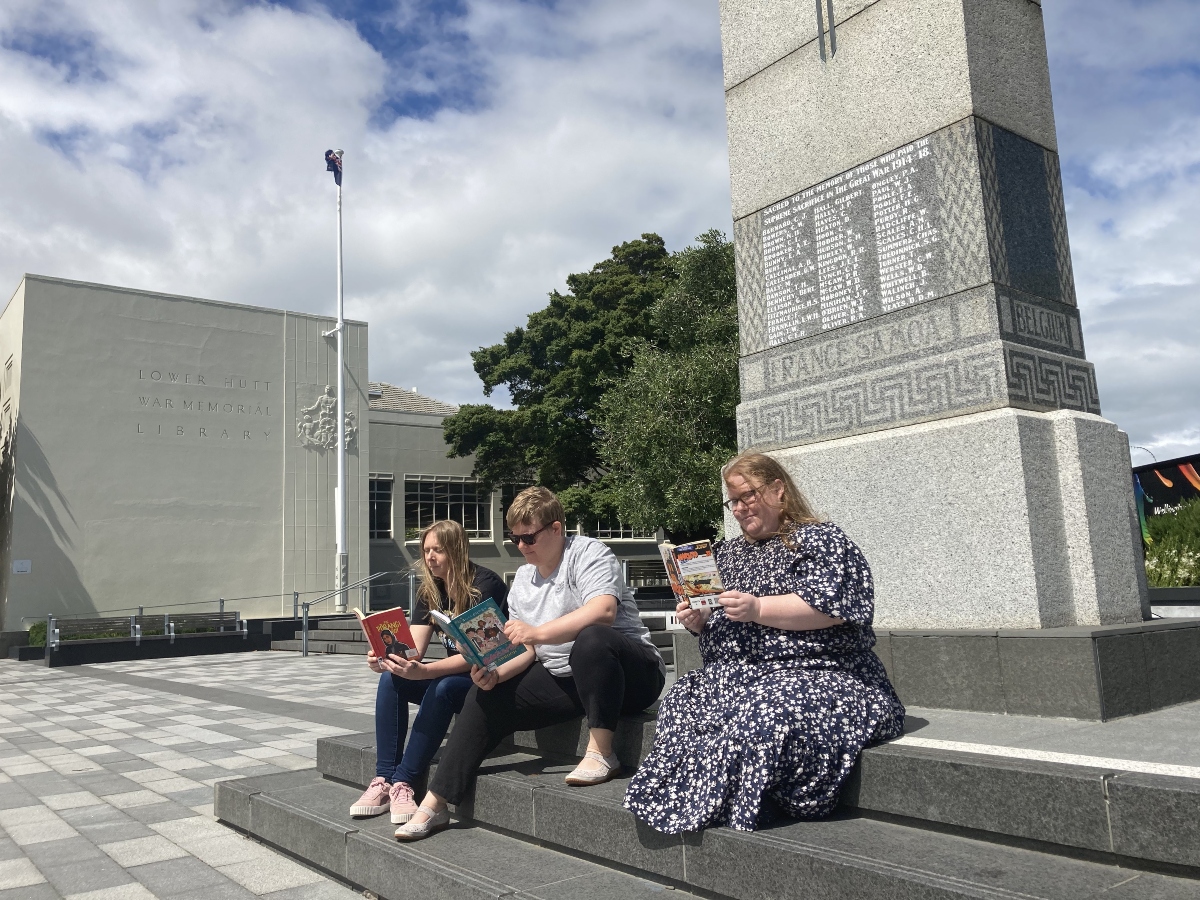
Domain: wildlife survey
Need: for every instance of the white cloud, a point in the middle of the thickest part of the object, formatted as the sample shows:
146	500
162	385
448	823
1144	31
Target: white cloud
1126	78
598	122
177	147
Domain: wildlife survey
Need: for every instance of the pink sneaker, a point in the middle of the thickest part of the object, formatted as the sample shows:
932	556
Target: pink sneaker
375	798
403	806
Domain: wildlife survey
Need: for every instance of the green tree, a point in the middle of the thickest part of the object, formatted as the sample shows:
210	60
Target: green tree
669	423
556	369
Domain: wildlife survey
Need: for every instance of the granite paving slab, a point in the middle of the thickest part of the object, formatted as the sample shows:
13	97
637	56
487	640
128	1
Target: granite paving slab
98	796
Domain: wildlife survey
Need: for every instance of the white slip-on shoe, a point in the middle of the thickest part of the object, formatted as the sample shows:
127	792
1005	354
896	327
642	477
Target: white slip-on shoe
580	776
414	831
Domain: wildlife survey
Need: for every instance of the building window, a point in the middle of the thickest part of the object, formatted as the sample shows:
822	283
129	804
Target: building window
381	505
428	498
508	493
615	531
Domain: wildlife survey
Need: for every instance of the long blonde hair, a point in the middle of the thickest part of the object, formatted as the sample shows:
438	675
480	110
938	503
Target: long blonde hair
761	470
460	571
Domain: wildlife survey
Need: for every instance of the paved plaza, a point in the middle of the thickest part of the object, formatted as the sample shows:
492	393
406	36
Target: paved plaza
106	772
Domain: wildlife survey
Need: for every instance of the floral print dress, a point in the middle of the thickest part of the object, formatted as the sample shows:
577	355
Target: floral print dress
775	720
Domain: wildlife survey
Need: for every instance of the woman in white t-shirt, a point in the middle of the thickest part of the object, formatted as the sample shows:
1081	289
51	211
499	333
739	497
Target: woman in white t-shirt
587	653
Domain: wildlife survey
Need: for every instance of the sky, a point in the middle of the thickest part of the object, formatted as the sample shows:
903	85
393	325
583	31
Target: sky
494	146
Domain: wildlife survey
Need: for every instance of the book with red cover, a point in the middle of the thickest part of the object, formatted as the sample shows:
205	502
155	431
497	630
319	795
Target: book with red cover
388	632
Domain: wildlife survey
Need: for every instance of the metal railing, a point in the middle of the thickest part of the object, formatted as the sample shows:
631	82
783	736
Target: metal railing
361	583
137	623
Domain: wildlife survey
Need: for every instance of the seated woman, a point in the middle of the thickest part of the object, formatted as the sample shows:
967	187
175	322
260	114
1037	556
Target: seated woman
789	692
452	583
587	654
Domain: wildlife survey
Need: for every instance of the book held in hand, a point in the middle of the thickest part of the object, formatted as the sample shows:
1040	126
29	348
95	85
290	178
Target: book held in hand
692	571
388	633
479	633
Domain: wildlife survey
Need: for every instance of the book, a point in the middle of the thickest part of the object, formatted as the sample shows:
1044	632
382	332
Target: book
668	560
479	633
388	633
692	571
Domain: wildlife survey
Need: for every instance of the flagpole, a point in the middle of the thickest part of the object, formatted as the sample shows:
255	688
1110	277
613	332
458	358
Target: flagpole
343	555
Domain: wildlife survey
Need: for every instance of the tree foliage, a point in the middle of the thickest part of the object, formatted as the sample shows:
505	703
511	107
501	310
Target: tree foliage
555	369
669	422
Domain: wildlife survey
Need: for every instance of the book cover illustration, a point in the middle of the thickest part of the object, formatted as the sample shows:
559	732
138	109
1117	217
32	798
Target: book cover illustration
388	633
479	633
698	575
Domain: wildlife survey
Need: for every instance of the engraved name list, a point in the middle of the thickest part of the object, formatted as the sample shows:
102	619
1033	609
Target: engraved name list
865	242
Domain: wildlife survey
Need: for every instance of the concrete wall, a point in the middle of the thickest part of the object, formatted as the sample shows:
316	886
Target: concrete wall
157	457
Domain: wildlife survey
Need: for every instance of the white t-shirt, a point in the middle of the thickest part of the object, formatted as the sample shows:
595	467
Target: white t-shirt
588	569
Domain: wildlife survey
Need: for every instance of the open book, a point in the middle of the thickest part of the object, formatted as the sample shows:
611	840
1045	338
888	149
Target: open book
692	571
479	633
388	632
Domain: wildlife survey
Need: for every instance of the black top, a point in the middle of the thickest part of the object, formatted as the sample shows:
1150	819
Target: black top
491	586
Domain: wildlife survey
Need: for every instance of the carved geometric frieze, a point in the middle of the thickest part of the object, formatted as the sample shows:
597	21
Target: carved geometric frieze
1039	380
946	384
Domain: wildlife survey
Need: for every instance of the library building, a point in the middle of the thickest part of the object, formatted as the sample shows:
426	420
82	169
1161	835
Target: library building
162	452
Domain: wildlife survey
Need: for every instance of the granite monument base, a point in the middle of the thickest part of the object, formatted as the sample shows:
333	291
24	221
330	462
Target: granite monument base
1077	673
1003	519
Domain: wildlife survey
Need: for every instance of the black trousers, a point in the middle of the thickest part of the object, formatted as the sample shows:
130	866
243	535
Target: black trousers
611	675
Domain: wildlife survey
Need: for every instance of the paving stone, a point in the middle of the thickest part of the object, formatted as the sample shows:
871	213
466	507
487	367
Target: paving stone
142	850
174	877
165	811
19	872
318	891
43	891
130	891
270	874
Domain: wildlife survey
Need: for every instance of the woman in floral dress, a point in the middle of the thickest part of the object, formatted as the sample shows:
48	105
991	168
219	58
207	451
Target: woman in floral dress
790	692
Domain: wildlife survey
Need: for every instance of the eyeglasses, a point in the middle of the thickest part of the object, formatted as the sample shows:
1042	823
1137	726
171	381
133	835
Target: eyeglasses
745	499
530	538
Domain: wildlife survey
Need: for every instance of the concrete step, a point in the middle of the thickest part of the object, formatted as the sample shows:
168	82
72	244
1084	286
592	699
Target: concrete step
304	814
335	634
1120	815
353	647
435	651
342	623
523	796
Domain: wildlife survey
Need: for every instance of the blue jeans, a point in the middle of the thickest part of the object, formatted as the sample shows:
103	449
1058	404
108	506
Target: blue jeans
439	699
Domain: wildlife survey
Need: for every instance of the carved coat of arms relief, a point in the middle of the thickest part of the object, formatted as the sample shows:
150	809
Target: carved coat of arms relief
317	424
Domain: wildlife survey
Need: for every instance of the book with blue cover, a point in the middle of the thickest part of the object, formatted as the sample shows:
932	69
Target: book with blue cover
479	633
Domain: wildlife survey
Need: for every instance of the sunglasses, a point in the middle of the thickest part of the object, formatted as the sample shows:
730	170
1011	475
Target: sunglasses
530	538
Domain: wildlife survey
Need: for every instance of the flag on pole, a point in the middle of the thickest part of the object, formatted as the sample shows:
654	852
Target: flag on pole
333	163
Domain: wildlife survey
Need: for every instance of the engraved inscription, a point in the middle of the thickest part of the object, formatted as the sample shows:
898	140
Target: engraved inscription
828	359
194	405
1041	324
863	243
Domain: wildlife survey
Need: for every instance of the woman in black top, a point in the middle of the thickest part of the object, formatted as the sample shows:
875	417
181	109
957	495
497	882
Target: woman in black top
453	584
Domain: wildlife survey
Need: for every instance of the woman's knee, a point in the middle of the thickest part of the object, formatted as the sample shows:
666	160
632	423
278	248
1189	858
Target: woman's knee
593	642
450	690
